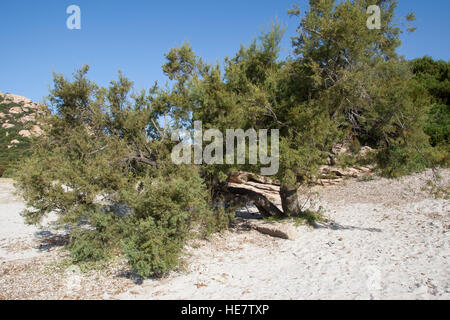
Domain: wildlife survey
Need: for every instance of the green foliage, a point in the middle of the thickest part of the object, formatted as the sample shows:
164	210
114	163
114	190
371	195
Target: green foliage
399	161
438	125
217	220
95	238
308	217
435	77
151	248
111	184
87	246
355	146
333	88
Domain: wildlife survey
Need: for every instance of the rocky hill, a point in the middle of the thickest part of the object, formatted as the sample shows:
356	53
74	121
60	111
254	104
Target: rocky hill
18	124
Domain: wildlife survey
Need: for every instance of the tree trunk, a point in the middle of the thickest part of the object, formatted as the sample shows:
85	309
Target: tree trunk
289	200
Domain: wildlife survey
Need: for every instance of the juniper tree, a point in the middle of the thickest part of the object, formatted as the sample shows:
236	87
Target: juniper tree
343	80
435	77
107	176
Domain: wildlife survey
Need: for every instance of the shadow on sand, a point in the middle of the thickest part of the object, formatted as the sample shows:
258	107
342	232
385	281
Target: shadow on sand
336	226
50	239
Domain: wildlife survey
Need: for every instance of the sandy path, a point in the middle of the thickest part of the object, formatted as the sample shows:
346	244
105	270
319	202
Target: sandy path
13	231
388	239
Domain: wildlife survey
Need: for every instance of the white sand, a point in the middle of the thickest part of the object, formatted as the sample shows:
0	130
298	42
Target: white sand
12	227
388	240
17	239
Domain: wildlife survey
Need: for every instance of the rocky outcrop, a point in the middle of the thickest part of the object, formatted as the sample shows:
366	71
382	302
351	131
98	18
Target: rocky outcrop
264	193
18	124
252	182
332	175
20	113
263	188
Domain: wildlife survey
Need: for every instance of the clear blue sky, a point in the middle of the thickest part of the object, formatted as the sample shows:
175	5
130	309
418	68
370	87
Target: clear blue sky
134	35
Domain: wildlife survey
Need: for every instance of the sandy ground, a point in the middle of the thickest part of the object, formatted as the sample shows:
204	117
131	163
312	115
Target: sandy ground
34	266
385	239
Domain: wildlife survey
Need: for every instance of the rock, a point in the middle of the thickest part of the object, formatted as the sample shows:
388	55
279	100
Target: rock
7	125
27	118
267	202
17	99
25	133
275	229
365	151
243	177
329	182
350	172
271	192
2	115
264	179
239	177
15	110
15	141
36	130
262	192
367	169
340	148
